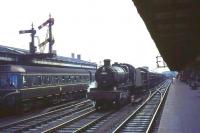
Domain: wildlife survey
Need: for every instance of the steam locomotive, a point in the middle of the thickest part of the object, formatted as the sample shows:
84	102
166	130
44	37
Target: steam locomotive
25	86
118	84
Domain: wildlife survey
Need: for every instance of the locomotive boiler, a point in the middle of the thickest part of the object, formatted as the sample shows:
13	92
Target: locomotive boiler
109	76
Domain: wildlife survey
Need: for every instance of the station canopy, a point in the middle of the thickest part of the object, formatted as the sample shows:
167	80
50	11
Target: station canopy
174	25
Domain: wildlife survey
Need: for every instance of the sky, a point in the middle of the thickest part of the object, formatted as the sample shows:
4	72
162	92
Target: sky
96	29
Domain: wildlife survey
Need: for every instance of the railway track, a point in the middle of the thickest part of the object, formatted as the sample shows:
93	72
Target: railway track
95	125
82	117
60	106
80	123
88	122
46	120
141	120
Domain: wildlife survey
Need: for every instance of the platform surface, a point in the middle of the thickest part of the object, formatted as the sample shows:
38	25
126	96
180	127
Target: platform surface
181	112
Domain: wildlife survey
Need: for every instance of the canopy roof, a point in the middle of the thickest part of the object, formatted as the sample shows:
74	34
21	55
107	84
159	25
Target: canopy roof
174	25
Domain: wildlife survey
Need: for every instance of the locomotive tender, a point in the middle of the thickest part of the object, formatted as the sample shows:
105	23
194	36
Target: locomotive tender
119	83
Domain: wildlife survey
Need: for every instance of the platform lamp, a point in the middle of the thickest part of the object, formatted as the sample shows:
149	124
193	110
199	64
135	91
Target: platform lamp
160	62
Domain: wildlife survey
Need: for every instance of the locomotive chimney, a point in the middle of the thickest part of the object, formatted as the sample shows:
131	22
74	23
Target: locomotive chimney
73	55
79	56
107	62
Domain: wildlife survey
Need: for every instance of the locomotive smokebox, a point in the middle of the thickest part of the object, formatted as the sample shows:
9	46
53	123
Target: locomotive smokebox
107	62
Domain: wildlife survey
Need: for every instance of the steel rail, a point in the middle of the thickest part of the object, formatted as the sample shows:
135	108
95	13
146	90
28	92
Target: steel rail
140	108
20	122
90	124
53	129
158	108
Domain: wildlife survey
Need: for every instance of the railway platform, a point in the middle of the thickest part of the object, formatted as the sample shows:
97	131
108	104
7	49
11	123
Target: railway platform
181	113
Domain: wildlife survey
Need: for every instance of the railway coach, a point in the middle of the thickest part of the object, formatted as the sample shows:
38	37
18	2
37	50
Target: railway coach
26	86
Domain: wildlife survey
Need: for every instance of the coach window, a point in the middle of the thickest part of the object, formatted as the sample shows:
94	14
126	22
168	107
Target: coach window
66	79
42	80
63	79
79	78
83	78
69	79
45	79
33	80
87	78
12	79
25	83
49	79
59	79
4	82
72	79
56	79
53	80
39	78
36	80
